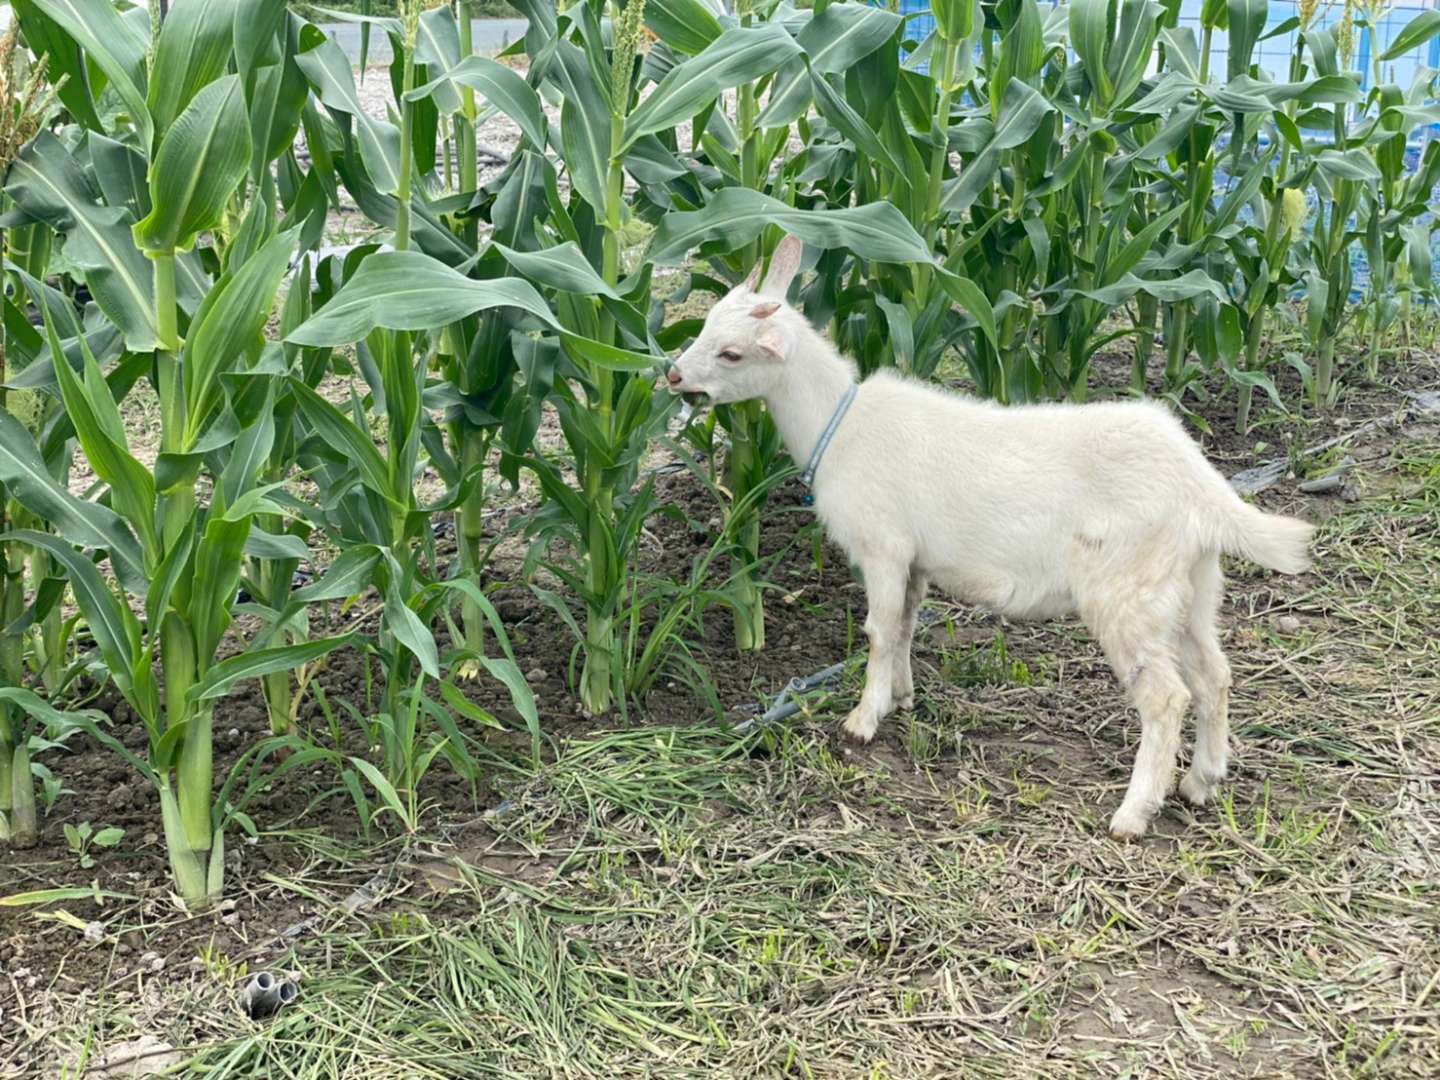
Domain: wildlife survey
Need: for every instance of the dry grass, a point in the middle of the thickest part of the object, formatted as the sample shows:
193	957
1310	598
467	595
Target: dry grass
686	902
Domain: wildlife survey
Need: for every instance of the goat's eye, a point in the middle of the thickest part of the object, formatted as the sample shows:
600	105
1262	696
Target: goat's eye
730	356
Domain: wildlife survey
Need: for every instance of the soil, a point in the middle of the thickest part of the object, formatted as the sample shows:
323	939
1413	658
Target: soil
310	841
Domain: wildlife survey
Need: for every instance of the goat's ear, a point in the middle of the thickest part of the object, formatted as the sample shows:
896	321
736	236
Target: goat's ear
773	340
752	282
784	265
765	309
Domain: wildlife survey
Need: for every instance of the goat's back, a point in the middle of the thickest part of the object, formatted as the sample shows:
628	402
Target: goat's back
961	481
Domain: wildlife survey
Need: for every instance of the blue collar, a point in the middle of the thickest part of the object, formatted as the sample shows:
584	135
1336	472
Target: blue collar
808	476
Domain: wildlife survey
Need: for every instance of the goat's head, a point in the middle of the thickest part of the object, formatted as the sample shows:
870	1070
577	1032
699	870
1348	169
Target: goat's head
746	337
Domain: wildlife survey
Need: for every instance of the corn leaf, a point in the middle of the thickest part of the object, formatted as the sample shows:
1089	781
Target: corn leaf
115	629
328	69
563	267
79	521
407	290
47	182
336	429
229	324
194	49
502	88
349	575
101	432
1022	110
1417	32
737	56
201	161
843	34
260	662
111	45
736	216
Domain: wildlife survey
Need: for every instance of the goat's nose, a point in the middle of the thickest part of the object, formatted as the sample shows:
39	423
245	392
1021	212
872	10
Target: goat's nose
673	375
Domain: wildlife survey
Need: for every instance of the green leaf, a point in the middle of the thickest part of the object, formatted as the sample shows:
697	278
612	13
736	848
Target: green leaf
1417	32
956	20
218	557
563	267
115	629
459	703
969	296
194	49
383	787
329	71
501	87
407	290
789	97
1247	23
89	524
228	325
257	25
735	216
101	432
111	45
1090	22
78	82
850	123
349	575
404	624
1022	110
737	56
843	34
584	127
1185	287
1352	164
202	160
260	662
277	95
610	357
336	429
1133	47
261	544
507	670
47	182
687	26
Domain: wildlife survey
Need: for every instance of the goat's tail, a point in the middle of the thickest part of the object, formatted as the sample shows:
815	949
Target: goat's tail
1272	540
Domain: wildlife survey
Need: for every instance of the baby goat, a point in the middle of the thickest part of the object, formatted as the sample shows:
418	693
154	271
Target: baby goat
1109	510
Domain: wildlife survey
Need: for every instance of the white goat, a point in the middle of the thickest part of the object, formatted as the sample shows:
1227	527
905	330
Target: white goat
1109	510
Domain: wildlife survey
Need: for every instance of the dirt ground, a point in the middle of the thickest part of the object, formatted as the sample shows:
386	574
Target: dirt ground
666	894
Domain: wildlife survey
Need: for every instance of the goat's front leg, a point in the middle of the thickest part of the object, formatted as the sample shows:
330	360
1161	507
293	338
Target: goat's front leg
885	584
904	688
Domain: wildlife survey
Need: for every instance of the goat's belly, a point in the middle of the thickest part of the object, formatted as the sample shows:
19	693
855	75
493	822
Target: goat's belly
1015	596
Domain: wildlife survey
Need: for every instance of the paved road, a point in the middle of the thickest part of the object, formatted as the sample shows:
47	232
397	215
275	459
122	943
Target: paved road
489	35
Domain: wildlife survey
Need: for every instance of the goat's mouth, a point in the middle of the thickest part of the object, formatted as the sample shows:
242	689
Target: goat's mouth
696	399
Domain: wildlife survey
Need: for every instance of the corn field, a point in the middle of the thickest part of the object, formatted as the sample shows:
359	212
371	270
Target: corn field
1025	191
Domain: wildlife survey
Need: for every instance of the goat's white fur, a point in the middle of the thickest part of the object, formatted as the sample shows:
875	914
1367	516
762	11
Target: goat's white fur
1106	510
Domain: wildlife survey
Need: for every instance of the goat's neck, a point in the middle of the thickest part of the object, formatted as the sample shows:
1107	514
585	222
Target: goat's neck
815	381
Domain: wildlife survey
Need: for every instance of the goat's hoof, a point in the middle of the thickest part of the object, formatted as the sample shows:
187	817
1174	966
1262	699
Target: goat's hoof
1127	828
860	725
1195	791
906	702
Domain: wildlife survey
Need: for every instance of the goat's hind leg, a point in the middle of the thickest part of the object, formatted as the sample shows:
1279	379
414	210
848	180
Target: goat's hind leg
904	688
885	584
1139	626
1207	673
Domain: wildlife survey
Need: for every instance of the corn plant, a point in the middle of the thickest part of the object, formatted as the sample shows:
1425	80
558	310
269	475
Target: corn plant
24	102
199	131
